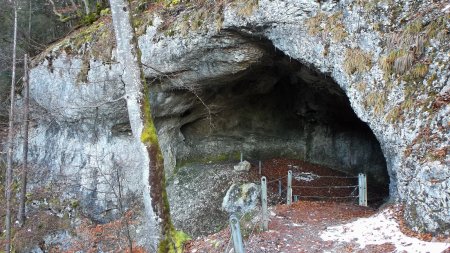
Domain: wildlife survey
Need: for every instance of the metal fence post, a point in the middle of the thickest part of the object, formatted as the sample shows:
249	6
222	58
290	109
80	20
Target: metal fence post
236	234
265	213
279	187
242	156
260	167
289	188
362	187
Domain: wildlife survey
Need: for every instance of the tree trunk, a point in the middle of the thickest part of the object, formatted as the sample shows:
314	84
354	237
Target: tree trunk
30	13
9	171
122	210
86	7
26	109
143	129
55	10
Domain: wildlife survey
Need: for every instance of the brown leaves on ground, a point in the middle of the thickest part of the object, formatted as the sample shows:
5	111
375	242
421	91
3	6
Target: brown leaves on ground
36	228
107	237
294	228
297	228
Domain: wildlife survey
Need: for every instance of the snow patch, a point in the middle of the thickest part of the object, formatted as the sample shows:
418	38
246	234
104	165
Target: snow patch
446	8
379	229
305	176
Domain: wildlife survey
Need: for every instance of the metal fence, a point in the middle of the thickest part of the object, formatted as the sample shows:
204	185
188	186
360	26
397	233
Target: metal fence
357	191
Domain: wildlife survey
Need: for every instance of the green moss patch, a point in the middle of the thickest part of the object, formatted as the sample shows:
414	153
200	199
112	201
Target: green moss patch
173	242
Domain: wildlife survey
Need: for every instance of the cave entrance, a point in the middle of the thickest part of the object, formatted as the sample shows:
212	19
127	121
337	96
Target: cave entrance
282	108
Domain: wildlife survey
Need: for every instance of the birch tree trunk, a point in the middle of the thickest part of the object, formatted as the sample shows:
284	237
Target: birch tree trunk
9	170
167	239
26	109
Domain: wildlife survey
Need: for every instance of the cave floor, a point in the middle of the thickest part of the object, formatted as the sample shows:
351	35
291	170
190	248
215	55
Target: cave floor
323	223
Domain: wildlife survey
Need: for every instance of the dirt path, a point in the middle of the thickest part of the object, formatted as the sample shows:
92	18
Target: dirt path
301	226
291	229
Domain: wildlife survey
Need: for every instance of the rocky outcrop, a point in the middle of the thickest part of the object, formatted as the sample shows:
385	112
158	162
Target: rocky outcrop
241	199
349	84
242	166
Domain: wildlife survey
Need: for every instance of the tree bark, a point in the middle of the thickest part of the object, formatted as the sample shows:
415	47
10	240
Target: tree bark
55	10
9	170
26	109
86	7
30	13
141	122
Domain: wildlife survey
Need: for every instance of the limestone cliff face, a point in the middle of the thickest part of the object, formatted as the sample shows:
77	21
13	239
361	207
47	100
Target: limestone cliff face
274	78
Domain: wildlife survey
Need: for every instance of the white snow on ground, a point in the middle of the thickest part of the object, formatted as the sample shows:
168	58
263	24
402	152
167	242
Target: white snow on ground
446	8
379	229
305	176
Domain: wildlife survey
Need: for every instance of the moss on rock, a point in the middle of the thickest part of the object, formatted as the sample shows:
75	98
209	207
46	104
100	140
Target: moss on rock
173	242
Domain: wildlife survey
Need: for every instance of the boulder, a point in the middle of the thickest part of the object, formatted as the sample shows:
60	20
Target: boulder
242	166
241	198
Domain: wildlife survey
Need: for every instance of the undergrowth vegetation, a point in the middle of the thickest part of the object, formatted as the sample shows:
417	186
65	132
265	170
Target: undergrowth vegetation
357	61
406	59
96	38
405	49
327	26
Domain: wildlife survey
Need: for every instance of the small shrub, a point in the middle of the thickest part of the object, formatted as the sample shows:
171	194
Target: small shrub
361	86
327	26
314	24
89	18
33	233
198	19
407	47
339	33
376	101
419	71
414	27
105	12
335	26
247	7
395	115
403	63
170	3
357	61
82	76
397	61
218	21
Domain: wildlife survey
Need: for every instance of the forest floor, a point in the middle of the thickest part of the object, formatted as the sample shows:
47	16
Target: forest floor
327	222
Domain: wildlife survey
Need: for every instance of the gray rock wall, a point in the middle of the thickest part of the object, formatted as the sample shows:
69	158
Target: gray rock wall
409	118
